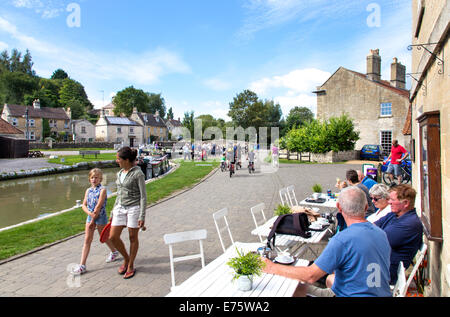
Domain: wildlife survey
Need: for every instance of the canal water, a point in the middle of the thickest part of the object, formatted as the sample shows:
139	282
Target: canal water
29	198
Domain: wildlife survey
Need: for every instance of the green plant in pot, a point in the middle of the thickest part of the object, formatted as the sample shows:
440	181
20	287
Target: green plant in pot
245	266
282	210
317	190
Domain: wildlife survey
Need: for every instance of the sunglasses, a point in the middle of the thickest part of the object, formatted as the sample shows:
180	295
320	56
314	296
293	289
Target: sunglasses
375	199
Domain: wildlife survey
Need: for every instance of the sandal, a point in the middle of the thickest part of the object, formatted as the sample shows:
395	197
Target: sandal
129	274
123	269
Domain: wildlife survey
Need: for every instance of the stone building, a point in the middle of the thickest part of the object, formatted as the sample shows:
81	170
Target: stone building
429	126
58	120
118	130
82	131
378	107
154	127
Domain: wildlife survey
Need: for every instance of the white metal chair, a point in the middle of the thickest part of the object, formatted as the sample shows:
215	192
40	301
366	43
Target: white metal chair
418	258
284	196
218	215
400	287
178	237
254	210
291	195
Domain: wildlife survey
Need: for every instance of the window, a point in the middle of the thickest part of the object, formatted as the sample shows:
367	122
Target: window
429	153
14	122
386	109
31	122
83	130
119	130
66	124
52	123
131	130
30	136
386	141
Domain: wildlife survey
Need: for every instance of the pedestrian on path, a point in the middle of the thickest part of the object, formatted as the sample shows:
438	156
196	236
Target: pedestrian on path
129	208
94	205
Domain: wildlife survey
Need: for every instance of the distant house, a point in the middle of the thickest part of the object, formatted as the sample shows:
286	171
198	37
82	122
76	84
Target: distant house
378	107
7	130
82	131
154	127
175	128
58	120
118	130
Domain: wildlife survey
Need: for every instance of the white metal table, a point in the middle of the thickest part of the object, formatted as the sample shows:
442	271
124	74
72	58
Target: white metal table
215	279
329	202
298	243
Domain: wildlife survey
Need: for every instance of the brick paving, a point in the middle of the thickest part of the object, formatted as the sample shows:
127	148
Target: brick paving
45	272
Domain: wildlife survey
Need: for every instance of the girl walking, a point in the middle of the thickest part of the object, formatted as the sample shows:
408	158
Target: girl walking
94	205
129	208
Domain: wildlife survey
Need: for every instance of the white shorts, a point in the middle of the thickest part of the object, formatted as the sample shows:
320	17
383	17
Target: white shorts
126	216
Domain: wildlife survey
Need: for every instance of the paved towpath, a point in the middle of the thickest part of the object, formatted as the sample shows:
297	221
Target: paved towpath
44	273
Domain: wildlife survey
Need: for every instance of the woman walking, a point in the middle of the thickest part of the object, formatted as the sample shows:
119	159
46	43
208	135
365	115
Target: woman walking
129	208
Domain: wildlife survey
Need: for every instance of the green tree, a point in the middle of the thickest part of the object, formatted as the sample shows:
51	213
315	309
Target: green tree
59	74
298	116
15	85
188	122
239	107
170	114
128	98
73	90
156	103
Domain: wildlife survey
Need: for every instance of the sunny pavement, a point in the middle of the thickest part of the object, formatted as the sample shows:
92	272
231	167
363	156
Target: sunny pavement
46	272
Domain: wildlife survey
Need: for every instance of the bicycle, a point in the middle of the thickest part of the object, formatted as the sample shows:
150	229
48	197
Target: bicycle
405	169
251	167
223	166
231	169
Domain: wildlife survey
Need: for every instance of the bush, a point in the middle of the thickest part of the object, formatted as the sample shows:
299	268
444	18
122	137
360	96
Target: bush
282	210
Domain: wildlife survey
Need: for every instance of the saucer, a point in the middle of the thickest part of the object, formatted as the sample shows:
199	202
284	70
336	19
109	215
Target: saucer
284	260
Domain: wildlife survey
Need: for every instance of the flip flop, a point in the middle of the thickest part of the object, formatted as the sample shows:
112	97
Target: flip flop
123	269
129	274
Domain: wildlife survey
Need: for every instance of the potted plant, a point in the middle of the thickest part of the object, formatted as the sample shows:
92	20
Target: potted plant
246	266
317	190
282	210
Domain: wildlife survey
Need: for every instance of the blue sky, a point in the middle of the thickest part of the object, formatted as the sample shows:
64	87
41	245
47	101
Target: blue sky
199	54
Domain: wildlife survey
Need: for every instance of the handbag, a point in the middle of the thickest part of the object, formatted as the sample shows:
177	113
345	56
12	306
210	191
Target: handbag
293	224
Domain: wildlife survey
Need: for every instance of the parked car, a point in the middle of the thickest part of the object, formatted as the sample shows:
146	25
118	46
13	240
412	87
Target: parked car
371	151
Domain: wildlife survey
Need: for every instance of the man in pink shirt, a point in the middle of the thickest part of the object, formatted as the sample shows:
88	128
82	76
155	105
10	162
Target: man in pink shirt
398	154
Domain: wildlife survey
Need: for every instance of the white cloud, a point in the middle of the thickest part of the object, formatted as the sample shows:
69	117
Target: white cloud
145	68
263	14
48	9
292	89
3	46
217	84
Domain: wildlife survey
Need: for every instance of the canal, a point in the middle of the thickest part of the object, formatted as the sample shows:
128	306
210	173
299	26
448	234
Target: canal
29	198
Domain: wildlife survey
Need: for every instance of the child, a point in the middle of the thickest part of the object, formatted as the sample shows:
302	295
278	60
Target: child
94	206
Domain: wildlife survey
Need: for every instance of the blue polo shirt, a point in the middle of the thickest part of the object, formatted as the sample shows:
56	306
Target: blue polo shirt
405	238
359	257
368	182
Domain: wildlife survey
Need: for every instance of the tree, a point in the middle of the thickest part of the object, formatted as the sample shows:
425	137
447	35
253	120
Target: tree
170	114
298	116
15	85
156	103
188	122
129	98
239	107
73	90
59	74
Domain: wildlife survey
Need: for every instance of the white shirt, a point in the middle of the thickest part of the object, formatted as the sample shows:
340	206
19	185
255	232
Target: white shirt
379	214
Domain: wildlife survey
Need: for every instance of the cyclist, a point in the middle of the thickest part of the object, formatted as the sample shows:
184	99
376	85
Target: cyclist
223	162
398	154
251	159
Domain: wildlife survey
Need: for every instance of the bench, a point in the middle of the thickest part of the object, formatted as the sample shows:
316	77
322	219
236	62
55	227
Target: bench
83	153
35	154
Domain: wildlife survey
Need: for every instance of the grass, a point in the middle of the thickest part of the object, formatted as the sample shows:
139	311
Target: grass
30	236
71	149
74	159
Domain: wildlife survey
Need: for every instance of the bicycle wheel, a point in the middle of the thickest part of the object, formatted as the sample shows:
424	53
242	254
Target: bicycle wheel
406	178
386	179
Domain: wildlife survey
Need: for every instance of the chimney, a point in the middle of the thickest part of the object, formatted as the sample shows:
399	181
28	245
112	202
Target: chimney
398	77
374	65
134	110
69	113
36	104
102	113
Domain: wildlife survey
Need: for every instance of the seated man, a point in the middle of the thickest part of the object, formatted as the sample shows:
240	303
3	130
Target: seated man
357	258
403	227
366	180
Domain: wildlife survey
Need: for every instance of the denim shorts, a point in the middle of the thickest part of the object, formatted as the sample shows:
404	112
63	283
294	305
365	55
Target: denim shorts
394	168
101	220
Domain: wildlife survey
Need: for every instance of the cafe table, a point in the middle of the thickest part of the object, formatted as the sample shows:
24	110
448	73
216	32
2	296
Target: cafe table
297	244
216	279
328	203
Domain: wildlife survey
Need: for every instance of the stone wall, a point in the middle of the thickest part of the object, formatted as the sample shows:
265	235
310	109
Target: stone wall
71	145
333	157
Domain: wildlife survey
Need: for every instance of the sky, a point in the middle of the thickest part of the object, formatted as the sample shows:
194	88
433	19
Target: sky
200	54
